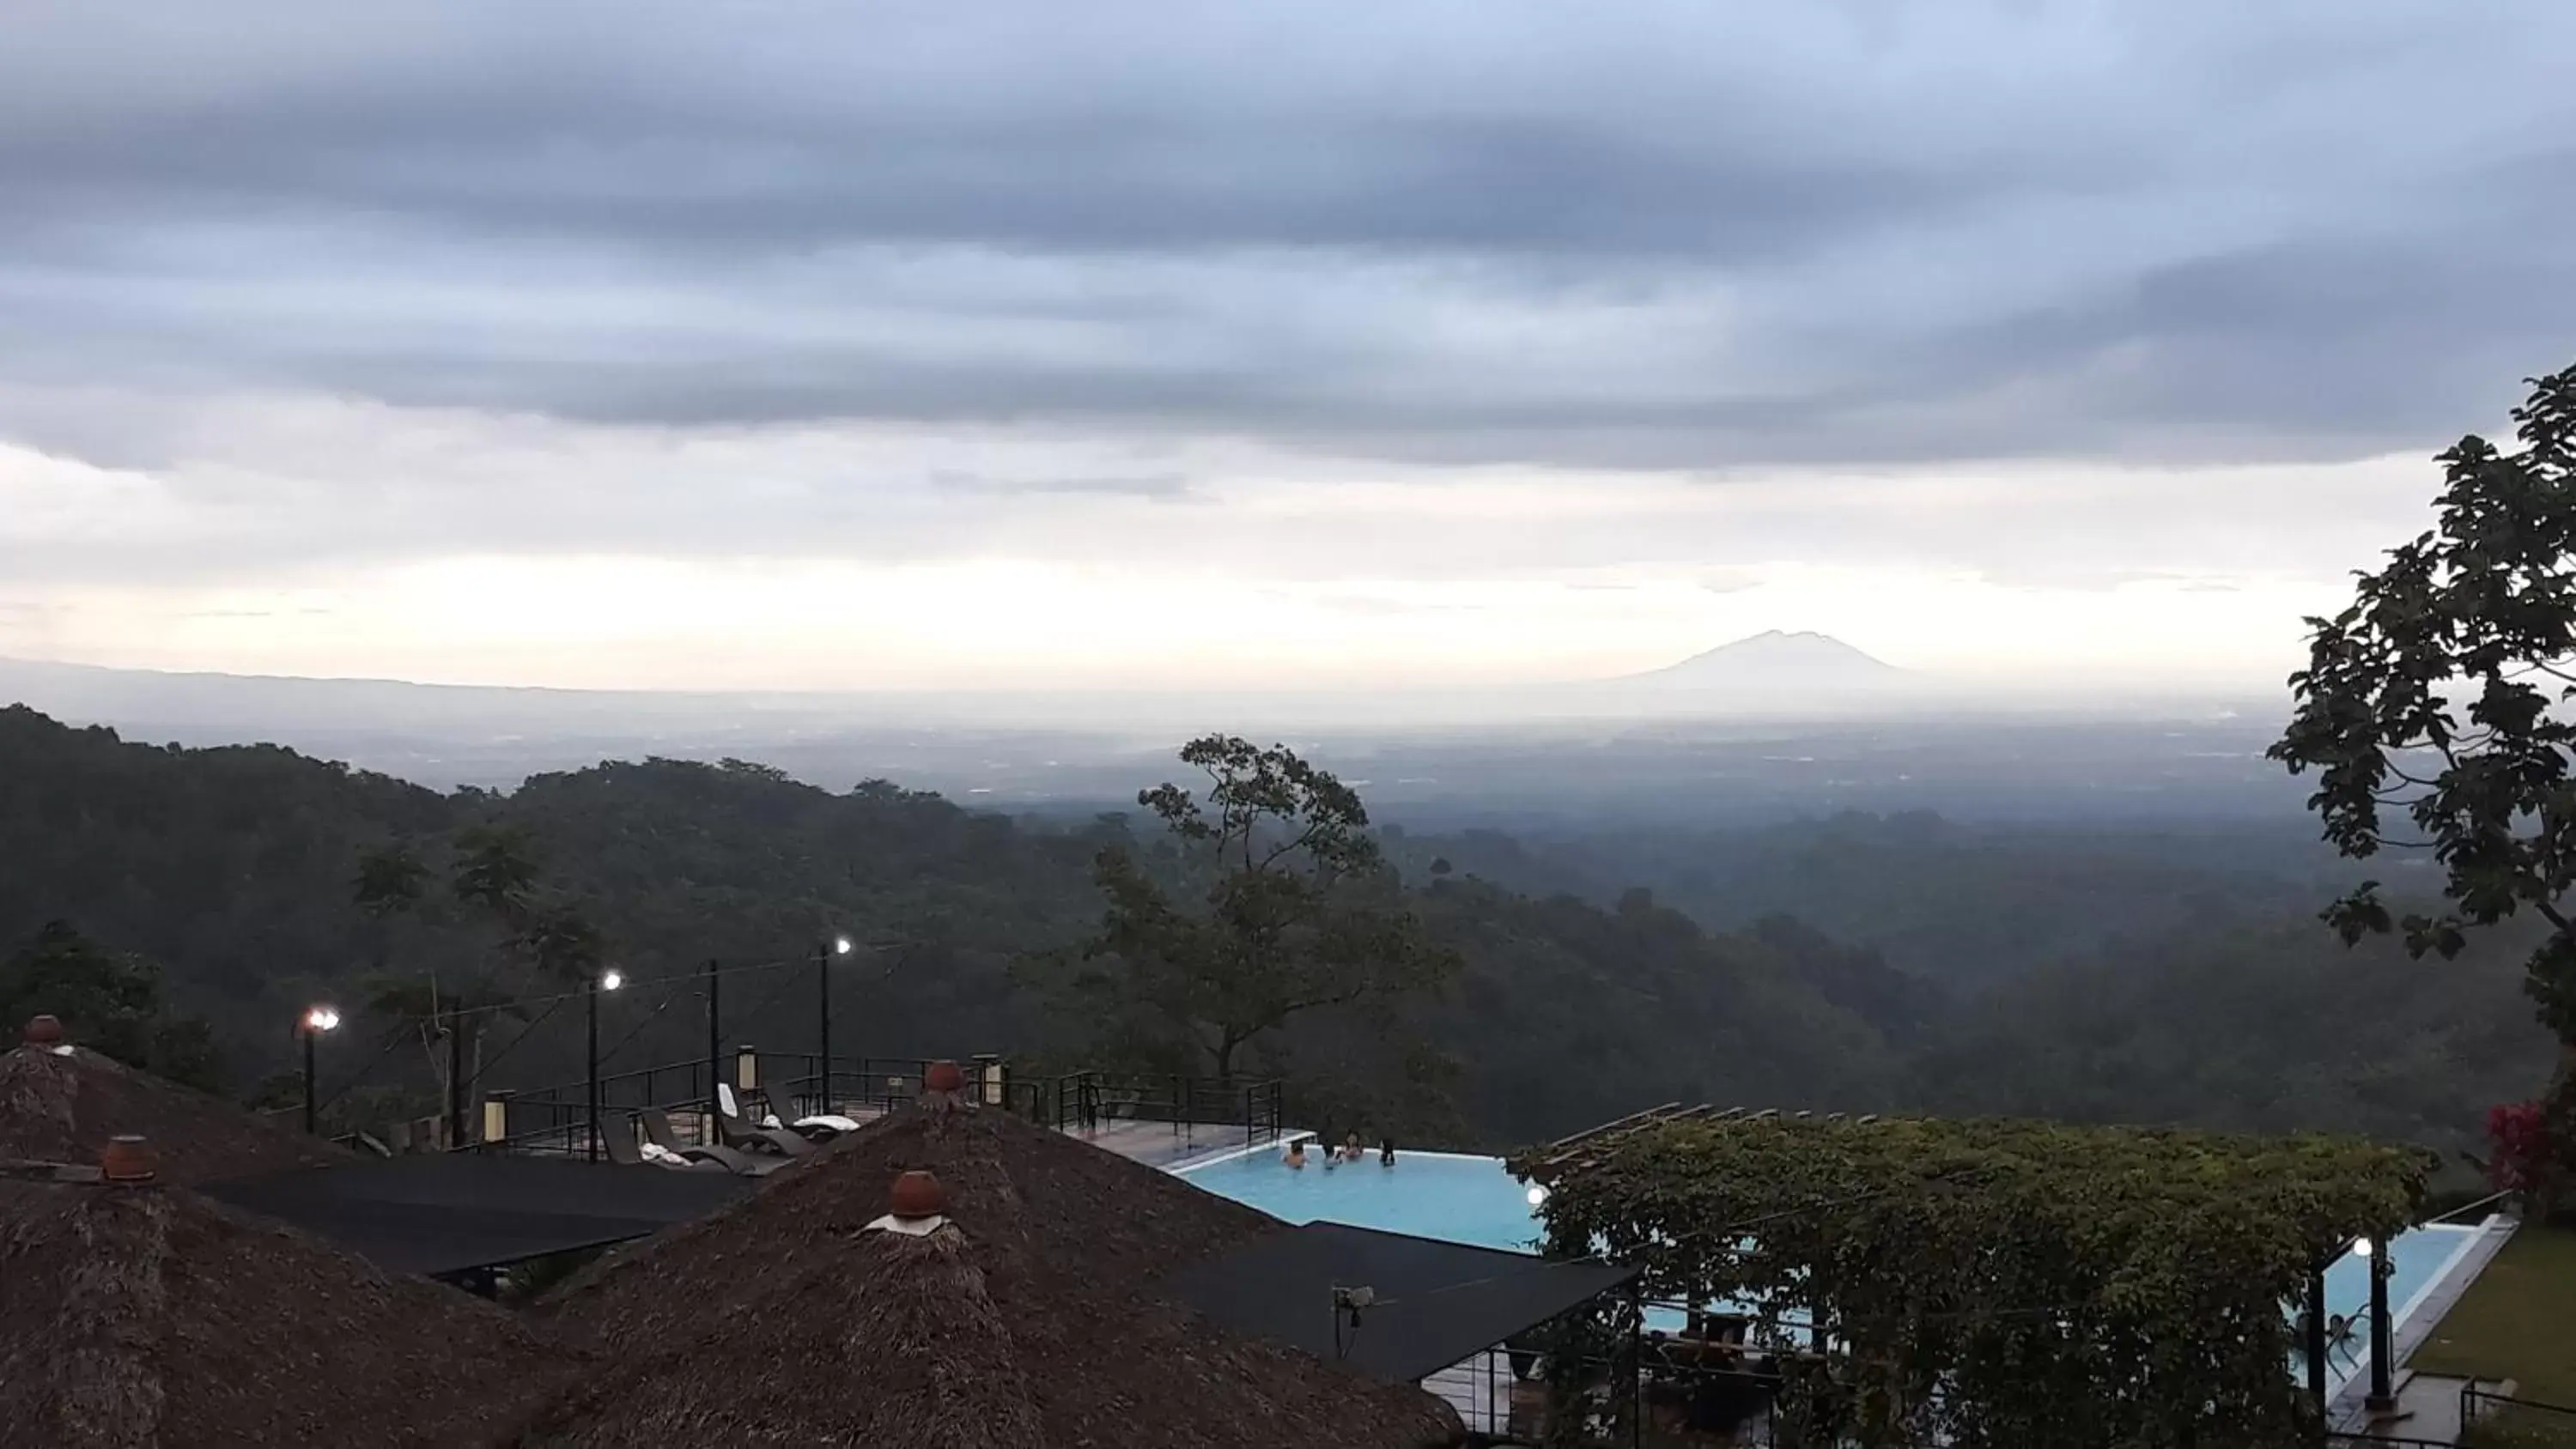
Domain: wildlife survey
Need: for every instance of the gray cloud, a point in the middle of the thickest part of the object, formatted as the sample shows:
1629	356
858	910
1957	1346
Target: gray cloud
1686	237
1161	486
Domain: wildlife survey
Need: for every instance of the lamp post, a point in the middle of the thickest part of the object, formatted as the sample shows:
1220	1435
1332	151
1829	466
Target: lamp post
823	954
715	1028
316	1020
608	980
2381	1399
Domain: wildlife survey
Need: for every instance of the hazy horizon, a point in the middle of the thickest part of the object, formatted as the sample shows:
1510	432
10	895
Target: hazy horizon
1739	678
796	348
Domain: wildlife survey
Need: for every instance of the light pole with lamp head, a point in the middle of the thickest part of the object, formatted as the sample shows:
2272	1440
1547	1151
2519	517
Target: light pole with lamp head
823	954
316	1020
608	980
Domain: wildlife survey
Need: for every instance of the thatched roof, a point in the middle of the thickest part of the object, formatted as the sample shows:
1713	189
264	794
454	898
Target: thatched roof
57	1107
913	1315
783	1319
147	1317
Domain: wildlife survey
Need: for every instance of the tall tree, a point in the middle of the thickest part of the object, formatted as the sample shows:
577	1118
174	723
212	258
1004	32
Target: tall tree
495	869
2441	691
1296	910
390	879
390	883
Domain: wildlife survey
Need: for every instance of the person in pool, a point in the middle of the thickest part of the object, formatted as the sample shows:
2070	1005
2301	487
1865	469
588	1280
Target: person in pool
1295	1156
1350	1149
1386	1152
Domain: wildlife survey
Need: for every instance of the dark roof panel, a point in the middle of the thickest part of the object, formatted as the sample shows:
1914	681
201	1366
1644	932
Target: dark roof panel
445	1213
1438	1303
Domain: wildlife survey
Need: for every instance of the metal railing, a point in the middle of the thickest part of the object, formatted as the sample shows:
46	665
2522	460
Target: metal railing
555	1118
1234	1110
854	1086
2479	1403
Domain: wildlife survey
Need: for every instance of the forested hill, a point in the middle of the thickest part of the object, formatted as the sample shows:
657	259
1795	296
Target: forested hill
234	870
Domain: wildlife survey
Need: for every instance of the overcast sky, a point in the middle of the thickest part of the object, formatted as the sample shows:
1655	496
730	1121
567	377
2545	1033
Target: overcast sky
770	344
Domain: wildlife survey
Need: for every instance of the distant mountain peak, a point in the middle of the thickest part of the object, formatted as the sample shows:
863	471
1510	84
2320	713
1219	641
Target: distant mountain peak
1776	658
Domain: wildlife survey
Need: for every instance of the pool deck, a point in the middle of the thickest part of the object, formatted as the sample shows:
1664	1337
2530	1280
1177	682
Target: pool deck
1159	1144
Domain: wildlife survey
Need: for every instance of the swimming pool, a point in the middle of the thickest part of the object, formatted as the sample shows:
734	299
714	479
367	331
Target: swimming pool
1474	1200
1428	1194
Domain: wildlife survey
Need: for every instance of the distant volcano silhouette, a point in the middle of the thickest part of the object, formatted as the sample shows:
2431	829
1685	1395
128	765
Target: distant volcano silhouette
1774	660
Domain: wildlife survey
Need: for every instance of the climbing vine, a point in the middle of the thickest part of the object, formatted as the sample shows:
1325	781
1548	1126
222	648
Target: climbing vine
1993	1284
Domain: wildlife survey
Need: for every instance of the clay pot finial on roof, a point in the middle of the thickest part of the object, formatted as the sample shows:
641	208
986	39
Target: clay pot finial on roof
918	1203
128	1159
918	1194
44	1031
943	1085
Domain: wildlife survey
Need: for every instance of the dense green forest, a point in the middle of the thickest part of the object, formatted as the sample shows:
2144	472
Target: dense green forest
1862	962
1964	904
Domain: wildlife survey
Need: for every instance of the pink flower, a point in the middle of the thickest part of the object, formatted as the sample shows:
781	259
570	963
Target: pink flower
2519	1133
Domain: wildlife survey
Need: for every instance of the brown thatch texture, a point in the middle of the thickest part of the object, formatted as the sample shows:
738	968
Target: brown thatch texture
912	1317
759	1325
64	1108
152	1318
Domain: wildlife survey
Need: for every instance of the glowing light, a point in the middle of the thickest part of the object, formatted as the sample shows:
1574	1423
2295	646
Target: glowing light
611	979
1537	1195
321	1018
2361	1249
841	946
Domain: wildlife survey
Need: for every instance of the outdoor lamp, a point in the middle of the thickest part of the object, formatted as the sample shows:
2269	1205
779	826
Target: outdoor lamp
609	979
1537	1195
317	1020
838	946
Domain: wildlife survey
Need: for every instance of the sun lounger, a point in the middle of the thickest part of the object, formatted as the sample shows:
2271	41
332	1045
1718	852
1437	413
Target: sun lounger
738	1130
617	1140
814	1126
657	1130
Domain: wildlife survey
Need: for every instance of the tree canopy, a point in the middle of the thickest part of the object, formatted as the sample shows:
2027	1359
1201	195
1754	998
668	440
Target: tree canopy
2441	693
1298	911
1993	1283
109	1001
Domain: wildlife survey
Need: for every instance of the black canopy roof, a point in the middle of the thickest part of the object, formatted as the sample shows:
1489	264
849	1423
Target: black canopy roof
443	1213
1439	1303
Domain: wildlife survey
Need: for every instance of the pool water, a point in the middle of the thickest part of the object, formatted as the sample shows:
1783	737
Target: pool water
1474	1200
1428	1194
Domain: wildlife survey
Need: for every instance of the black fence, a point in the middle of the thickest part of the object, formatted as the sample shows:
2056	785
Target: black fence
854	1086
2528	1420
556	1118
1194	1111
1658	1375
1625	1371
1222	1112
